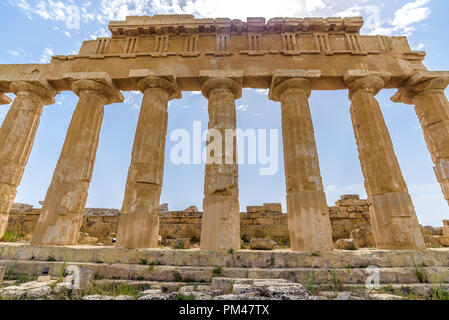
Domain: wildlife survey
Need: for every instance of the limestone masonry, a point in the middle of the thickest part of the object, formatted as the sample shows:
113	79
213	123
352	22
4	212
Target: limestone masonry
162	56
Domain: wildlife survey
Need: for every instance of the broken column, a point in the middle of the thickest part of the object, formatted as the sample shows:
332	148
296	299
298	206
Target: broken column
393	217
18	132
221	218
62	212
425	90
139	220
308	213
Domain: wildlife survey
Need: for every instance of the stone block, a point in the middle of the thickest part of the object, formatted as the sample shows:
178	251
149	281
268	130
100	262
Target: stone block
273	207
350	197
180	243
346	244
255	209
444	241
261	244
432	241
2	274
363	238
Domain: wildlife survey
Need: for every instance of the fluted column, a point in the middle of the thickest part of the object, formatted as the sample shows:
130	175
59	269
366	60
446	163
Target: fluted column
308	213
17	135
393	217
62	212
139	220
220	228
425	90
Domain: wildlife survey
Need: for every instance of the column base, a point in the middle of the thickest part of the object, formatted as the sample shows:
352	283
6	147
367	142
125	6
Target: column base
138	231
394	222
308	221
3	224
62	232
220	228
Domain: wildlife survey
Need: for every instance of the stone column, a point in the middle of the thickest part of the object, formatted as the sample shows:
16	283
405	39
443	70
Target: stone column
393	217
139	220
425	90
308	213
220	228
17	134
62	212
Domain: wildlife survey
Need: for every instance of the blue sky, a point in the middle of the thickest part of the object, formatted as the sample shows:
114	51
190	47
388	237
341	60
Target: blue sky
33	31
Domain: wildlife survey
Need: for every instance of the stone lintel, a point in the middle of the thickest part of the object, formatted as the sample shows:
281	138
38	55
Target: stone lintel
33	79
100	77
138	75
407	92
280	76
4	99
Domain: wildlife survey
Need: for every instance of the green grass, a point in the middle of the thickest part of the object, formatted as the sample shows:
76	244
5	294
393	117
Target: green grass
12	236
217	271
181	296
419	271
51	258
335	282
177	276
143	261
310	283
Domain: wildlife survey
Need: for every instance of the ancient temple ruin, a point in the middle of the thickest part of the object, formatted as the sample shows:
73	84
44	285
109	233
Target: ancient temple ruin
161	56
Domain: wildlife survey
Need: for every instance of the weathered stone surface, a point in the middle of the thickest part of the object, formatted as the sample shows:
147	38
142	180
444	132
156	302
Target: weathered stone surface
261	244
220	225
346	244
182	243
2	274
139	221
308	217
363	238
444	241
394	221
18	132
62	212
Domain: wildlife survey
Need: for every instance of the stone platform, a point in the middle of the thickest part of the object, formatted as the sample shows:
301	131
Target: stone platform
348	267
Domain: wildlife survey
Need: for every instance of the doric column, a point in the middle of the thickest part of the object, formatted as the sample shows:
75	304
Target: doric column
220	228
62	212
425	90
308	213
139	220
18	132
393	217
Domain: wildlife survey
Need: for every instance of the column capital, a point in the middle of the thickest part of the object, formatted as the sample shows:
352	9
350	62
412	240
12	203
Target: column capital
163	79
421	82
99	82
30	83
4	99
284	80
222	79
369	81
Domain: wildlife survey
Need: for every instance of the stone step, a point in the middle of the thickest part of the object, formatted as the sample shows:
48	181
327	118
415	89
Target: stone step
278	259
200	274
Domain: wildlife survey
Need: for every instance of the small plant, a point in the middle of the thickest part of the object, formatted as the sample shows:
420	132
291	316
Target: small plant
51	258
217	271
10	270
335	283
12	236
272	261
315	254
349	267
419	271
177	276
231	287
151	268
181	296
230	251
310	283
144	261
266	233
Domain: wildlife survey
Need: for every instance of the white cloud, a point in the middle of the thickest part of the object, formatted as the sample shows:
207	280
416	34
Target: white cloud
262	92
242	107
46	55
